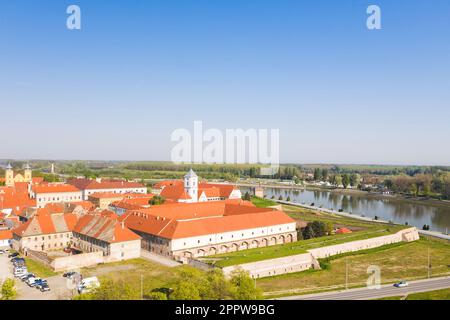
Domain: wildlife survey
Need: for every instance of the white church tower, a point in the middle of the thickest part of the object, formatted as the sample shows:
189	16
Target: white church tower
191	185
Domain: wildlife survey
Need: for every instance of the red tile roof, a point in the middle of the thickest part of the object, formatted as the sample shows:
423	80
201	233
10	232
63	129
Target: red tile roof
5	234
45	223
54	188
106	195
11	198
173	221
88	184
104	227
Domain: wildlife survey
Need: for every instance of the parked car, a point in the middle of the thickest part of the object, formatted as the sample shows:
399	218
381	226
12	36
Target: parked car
401	284
13	255
32	281
69	274
19	263
45	287
86	285
20	272
16	260
20	269
39	283
2	251
26	276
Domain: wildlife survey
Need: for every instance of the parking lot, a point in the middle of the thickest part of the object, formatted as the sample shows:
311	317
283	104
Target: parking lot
58	290
5	267
59	286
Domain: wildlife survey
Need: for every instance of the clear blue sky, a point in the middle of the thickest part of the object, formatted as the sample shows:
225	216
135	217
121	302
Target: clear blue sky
137	70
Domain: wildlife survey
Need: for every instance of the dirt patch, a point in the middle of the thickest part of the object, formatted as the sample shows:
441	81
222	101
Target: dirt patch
98	271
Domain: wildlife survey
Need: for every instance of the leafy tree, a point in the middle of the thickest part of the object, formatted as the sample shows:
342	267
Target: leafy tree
414	190
288	198
388	183
247	196
355	179
345	180
218	287
185	290
280	197
308	232
156	295
338	179
8	290
156	200
324	174
245	288
111	290
317	174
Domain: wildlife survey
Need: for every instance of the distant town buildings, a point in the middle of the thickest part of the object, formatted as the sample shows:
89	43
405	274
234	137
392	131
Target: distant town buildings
54	193
90	186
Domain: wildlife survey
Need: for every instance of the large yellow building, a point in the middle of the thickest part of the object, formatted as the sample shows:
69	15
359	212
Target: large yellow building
11	178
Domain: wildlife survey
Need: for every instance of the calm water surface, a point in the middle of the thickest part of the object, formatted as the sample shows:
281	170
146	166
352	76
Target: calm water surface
397	210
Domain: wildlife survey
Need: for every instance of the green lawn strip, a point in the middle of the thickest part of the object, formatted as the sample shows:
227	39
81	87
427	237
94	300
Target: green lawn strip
39	269
391	298
443	294
150	274
289	249
314	215
406	261
263	203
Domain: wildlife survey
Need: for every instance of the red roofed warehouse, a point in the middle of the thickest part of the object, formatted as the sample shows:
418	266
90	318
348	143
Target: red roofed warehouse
188	230
89	186
44	232
54	193
103	232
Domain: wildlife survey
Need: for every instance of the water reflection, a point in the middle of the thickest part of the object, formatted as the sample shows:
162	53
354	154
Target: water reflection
397	210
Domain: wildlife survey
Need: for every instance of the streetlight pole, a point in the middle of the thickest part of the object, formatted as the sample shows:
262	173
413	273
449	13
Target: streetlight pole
142	287
346	273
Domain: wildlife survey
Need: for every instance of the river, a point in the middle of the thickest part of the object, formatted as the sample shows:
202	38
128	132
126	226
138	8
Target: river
386	208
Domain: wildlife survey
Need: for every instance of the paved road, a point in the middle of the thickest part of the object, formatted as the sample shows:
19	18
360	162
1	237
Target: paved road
5	267
385	291
158	259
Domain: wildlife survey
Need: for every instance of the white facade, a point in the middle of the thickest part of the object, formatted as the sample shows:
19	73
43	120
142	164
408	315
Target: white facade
5	243
191	185
55	197
228	237
86	193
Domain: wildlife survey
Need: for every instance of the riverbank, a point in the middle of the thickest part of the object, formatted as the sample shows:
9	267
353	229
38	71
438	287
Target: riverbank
359	217
351	192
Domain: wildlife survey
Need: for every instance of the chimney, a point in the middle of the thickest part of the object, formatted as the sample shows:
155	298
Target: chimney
98	179
123	225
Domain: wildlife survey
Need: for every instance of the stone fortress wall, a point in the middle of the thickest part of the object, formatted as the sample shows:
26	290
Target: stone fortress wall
305	261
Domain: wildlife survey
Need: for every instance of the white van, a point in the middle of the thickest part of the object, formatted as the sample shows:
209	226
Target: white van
86	285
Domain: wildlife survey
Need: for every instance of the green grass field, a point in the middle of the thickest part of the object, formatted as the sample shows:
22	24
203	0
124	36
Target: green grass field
366	230
152	275
39	269
443	294
263	203
404	261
